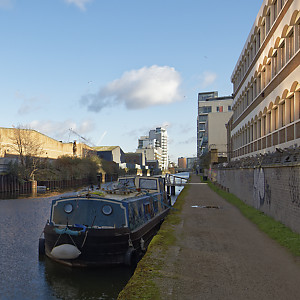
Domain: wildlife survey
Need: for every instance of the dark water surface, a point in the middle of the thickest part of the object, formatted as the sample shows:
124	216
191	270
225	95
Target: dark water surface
24	276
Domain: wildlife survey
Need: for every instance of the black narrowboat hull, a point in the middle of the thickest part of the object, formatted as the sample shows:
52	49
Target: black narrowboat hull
103	247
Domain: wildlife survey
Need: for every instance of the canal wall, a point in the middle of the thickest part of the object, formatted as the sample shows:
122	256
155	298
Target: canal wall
272	189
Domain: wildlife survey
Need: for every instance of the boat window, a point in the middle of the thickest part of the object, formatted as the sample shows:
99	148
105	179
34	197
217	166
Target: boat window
107	210
68	208
128	182
149	184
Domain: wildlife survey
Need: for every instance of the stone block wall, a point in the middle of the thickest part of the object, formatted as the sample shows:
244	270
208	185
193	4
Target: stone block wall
275	190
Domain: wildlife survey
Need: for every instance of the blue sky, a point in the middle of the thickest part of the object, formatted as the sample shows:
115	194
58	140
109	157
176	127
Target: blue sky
114	69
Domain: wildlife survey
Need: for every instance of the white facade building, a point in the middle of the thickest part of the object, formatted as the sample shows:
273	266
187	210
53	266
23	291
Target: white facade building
146	141
158	142
266	83
213	113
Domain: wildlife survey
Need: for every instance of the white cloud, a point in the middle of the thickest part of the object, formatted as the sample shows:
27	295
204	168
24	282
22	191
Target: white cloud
137	89
6	4
208	78
29	105
60	130
79	3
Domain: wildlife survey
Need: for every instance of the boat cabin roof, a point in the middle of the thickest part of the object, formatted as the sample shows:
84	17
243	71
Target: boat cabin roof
128	188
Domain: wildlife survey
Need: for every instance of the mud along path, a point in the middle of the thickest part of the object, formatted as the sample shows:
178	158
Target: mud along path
219	254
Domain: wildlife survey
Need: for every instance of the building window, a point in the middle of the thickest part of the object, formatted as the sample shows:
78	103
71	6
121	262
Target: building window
201	134
263	31
229	108
290	46
275	119
259	84
259	128
201	126
263	79
281	115
292	109
282	56
268	72
275	64
254	89
202	118
268	22
275	9
269	122
219	108
251	93
280	4
297	34
247	98
205	109
264	124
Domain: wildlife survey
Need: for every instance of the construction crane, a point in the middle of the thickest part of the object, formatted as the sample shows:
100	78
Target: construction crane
83	138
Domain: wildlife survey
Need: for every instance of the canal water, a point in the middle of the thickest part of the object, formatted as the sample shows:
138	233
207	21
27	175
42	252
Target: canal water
24	276
178	189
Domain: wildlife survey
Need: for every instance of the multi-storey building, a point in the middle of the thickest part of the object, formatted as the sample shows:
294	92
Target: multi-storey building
213	113
161	137
182	162
266	83
146	141
152	154
158	142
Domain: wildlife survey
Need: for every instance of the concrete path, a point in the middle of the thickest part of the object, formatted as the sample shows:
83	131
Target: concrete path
219	254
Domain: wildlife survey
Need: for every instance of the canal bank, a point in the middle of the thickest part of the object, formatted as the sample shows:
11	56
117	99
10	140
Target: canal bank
208	250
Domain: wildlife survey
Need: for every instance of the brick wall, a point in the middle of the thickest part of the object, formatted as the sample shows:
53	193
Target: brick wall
275	190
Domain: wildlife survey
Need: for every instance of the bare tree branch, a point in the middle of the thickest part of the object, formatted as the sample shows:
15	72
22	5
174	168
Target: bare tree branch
27	145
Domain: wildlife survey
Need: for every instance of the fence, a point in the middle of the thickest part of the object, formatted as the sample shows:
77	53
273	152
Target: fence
11	184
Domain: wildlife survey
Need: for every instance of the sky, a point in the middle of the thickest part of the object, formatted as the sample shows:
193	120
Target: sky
111	70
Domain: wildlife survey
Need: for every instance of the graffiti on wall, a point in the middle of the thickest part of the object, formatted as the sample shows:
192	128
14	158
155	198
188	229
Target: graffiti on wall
258	187
267	198
294	186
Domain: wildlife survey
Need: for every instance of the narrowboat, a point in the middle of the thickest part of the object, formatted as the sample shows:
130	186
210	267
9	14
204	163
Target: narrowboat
109	227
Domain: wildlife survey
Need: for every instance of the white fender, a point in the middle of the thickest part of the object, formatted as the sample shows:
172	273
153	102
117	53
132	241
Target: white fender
65	251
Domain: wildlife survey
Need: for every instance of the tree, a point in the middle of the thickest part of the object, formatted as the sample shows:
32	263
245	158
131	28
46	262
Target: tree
28	146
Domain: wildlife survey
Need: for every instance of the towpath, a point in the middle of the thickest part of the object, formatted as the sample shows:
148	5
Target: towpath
219	254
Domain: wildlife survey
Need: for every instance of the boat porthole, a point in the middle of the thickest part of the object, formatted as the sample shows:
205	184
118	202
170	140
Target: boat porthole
68	208
107	210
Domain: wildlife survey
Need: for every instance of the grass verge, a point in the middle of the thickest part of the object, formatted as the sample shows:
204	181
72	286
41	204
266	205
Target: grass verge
142	285
274	229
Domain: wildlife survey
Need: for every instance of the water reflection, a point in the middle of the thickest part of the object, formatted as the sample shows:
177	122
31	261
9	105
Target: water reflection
77	283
